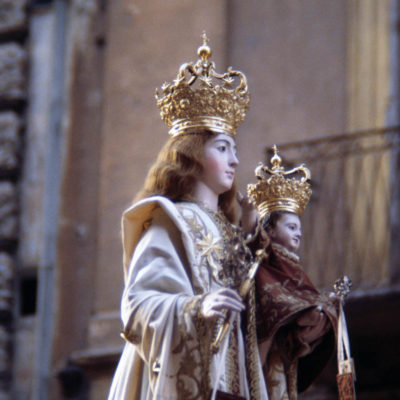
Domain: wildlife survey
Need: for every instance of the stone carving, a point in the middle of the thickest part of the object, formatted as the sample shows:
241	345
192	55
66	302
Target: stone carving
13	90
8	211
12	15
4	349
12	76
6	281
9	141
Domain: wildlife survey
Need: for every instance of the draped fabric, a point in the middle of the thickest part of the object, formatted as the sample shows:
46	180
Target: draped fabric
171	261
290	310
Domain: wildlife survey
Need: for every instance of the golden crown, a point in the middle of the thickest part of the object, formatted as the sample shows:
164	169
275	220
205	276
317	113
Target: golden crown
200	98
275	191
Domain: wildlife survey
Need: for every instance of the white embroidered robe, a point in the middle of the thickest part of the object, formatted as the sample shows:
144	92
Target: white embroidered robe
168	267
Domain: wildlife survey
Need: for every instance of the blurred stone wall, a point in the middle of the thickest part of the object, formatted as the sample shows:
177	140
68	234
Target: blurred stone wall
13	96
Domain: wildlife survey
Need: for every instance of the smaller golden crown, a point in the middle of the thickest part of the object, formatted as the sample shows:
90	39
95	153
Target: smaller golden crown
200	98
275	191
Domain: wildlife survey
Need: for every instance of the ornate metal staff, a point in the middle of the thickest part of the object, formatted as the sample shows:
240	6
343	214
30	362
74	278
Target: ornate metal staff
346	372
243	291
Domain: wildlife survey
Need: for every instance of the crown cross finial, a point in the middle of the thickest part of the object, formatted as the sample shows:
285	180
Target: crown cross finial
277	169
205	38
204	51
276	161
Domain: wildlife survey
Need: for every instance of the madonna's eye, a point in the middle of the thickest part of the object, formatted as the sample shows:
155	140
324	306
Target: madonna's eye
221	148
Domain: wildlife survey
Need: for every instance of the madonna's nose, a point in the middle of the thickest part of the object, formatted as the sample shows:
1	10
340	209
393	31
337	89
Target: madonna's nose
234	161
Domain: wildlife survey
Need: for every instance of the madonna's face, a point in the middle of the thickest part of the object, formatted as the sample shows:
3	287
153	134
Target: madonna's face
219	163
287	231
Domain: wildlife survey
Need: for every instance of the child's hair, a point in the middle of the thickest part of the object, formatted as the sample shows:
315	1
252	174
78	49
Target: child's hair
270	222
177	168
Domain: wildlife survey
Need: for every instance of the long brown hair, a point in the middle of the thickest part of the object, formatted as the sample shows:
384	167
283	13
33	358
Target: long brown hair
177	168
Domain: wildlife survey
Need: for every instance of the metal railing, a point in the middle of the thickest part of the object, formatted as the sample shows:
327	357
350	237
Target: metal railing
352	223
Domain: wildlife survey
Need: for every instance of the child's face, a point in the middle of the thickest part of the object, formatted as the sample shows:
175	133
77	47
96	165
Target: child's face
287	232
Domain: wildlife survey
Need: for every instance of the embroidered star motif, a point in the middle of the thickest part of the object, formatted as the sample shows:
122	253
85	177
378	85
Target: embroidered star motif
210	248
194	226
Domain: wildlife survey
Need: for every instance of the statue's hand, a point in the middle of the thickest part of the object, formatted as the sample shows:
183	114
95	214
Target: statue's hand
216	303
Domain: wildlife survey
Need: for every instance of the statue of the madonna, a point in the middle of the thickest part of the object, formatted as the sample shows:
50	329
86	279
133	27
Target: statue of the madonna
182	266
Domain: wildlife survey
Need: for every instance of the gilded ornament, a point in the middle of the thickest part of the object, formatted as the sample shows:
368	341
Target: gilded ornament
276	191
200	98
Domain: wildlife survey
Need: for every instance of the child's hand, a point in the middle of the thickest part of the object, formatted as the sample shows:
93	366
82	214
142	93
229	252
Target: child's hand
313	324
249	213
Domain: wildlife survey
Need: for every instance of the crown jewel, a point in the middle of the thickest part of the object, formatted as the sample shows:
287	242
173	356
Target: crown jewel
276	191
201	98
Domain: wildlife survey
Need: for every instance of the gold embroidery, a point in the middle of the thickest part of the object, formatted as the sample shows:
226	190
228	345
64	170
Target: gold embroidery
211	249
193	374
252	355
195	227
233	362
227	260
195	365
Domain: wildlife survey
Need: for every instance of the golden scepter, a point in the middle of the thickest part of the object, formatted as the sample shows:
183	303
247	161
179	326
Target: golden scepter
346	371
243	291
